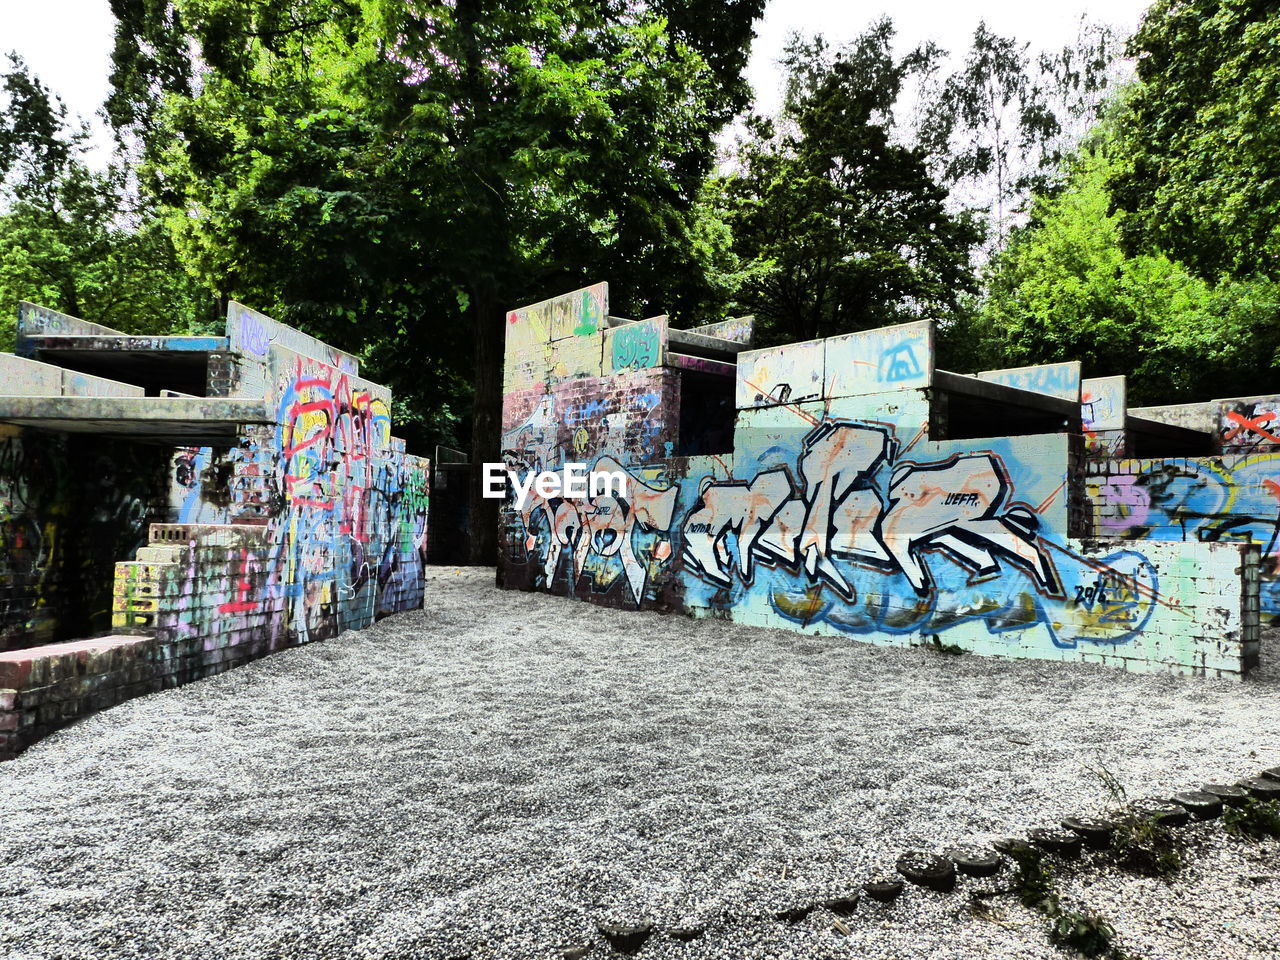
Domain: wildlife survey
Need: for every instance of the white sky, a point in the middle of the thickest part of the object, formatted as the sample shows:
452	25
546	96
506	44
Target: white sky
68	42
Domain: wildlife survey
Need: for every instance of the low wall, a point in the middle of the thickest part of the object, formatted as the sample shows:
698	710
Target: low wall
846	507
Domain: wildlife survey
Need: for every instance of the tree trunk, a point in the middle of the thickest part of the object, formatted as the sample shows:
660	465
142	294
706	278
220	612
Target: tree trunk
486	417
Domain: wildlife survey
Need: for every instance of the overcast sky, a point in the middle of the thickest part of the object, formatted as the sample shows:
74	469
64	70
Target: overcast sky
68	42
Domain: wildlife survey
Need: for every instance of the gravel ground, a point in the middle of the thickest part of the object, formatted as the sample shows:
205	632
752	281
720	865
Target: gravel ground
493	776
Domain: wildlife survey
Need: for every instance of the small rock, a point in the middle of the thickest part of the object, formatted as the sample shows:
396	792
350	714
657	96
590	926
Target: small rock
973	860
685	934
1261	788
842	906
1162	811
793	914
883	889
575	952
623	938
1232	796
1062	842
1093	831
1011	845
928	870
1202	806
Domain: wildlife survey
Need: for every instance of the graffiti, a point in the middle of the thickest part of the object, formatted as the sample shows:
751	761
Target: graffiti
1210	501
636	345
598	534
858	537
253	334
626	422
839	513
1053	379
899	363
1249	427
242	603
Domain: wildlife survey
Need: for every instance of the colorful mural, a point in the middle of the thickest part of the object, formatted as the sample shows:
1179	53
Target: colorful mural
839	510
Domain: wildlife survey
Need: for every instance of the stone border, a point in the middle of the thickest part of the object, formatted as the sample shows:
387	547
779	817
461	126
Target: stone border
938	872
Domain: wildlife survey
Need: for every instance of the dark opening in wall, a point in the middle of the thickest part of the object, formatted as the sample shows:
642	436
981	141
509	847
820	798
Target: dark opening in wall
960	417
706	414
154	371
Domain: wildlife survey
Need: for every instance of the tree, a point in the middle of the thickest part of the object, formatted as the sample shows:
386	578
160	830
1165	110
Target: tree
394	175
69	237
1066	289
838	226
1199	175
998	126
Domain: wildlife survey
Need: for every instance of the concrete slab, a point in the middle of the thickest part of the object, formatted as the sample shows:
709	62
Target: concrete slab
188	421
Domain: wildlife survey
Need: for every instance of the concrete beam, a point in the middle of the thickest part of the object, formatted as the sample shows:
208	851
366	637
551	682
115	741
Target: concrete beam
35	320
683	361
22	377
740	330
125	343
963	385
697	344
189	421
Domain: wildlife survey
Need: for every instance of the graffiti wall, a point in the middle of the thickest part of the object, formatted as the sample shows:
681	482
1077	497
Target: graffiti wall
1228	499
840	512
314	524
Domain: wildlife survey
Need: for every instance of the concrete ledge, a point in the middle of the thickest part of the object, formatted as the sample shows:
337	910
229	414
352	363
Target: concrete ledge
31	378
180	420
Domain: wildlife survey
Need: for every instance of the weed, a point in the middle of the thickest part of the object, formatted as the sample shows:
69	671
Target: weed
1110	782
1143	845
1256	820
951	649
1033	883
1087	933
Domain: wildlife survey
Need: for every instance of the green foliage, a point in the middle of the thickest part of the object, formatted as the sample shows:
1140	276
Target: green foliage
1200	162
1144	845
394	175
68	238
837	225
1255	820
1065	289
1035	886
1086	933
1034	883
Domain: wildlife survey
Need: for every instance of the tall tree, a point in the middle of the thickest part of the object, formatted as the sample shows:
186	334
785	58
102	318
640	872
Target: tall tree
72	237
838	226
997	126
1200	170
394	175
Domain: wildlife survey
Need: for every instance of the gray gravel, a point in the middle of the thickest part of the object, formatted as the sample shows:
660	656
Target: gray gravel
491	777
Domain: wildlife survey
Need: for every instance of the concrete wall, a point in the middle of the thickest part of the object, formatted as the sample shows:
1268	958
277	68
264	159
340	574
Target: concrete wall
310	523
840	511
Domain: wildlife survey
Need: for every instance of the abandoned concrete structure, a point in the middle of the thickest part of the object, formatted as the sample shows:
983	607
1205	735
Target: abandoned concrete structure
849	487
174	506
